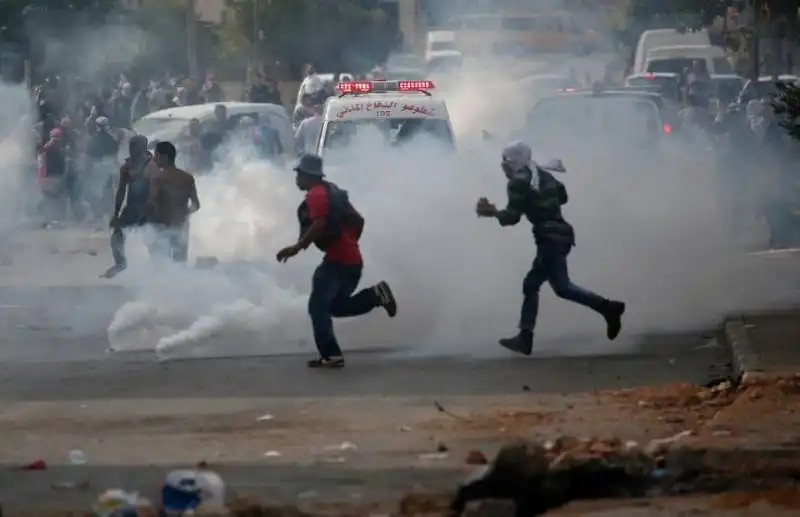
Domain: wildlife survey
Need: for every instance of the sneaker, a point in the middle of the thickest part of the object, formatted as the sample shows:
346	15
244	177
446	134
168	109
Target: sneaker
386	298
327	362
113	271
522	343
612	312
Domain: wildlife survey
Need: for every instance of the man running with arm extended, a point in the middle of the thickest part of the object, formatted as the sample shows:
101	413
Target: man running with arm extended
329	221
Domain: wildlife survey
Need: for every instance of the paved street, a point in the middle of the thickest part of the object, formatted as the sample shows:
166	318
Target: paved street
135	418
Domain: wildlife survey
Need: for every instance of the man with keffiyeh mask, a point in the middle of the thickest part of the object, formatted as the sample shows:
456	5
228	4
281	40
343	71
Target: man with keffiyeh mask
533	191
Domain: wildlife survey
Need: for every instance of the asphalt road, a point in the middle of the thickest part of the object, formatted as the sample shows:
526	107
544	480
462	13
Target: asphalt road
54	348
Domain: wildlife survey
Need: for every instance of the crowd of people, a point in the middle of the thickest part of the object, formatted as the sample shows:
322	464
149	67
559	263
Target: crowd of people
754	153
748	141
80	130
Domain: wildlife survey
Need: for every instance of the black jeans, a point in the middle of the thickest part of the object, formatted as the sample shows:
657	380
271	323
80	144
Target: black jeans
332	297
550	265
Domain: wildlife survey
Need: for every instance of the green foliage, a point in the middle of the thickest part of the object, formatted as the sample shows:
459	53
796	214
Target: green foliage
787	106
694	14
343	34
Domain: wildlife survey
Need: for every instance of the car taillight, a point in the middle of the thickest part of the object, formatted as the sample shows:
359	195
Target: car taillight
667	129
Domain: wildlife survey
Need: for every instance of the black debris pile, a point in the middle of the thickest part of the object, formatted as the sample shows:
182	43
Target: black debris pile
539	477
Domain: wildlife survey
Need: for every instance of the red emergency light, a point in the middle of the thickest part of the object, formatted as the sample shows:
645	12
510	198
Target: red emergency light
354	87
667	128
384	86
415	86
649	76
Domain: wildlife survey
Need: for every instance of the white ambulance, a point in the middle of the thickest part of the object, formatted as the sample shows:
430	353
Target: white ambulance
398	110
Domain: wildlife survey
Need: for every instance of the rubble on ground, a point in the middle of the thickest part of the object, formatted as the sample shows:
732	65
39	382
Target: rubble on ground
541	476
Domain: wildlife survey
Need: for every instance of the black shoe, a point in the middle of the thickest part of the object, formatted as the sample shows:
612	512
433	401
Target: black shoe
113	271
522	343
386	298
327	362
612	312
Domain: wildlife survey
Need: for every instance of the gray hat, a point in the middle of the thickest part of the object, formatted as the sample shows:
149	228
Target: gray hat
310	164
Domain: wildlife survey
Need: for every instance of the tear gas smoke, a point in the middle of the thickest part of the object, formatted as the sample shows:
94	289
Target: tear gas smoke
649	232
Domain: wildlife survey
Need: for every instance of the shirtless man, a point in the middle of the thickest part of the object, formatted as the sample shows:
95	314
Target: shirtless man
173	198
132	191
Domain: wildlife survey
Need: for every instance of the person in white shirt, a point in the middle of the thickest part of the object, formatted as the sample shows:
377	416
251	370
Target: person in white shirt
307	132
312	83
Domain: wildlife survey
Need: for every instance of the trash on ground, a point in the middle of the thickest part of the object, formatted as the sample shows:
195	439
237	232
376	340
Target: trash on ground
35	465
434	456
441	447
441	409
476	457
344	446
334	459
184	490
78	457
116	501
539	477
272	454
70	485
265	418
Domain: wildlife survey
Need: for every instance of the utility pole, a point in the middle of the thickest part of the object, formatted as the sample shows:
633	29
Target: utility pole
191	38
751	18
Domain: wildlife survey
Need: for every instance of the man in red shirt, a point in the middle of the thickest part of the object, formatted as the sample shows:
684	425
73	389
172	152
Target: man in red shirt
329	221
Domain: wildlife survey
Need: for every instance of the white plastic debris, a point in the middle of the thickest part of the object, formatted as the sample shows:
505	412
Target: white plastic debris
265	418
344	446
334	459
433	456
114	501
272	454
78	457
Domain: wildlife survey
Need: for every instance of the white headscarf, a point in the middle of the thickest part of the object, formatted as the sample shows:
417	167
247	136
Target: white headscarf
519	157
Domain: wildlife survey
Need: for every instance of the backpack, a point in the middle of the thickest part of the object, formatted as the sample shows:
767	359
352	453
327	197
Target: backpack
341	214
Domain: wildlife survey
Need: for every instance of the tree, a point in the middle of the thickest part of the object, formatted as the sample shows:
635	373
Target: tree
787	106
692	14
341	34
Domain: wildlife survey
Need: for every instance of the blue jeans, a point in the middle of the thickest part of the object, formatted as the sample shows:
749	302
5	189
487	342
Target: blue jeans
332	297
171	242
550	265
129	218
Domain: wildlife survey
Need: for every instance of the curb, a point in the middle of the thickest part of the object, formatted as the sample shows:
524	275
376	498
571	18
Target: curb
746	362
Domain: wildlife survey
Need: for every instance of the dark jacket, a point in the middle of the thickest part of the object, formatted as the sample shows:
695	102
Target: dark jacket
542	207
102	145
261	93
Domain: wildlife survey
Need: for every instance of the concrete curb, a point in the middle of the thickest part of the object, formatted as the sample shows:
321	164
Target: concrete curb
746	362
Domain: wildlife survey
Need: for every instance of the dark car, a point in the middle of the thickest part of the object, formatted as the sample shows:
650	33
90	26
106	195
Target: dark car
629	119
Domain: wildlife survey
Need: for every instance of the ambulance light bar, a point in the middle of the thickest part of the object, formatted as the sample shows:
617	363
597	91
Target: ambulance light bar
384	86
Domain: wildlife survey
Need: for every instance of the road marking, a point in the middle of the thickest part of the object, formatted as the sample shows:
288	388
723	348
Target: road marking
11	306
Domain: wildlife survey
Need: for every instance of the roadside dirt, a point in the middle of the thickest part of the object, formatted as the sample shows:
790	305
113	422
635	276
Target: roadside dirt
744	441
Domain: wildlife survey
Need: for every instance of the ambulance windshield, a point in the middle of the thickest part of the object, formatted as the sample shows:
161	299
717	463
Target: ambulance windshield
391	131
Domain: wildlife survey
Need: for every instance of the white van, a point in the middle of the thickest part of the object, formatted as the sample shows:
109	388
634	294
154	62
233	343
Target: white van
173	124
441	44
665	38
397	109
675	59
